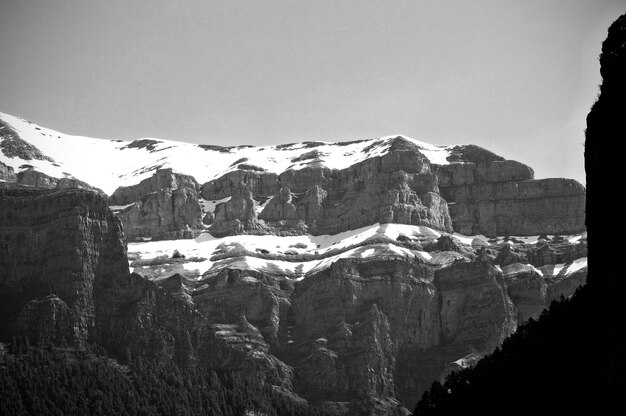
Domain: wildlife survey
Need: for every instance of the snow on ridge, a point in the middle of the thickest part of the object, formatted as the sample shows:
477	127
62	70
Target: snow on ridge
108	164
330	248
342	244
568	269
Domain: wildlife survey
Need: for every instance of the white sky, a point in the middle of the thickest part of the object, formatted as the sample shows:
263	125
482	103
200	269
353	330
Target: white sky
516	77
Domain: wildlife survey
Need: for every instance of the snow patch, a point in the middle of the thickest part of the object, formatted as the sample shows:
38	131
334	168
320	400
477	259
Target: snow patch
208	206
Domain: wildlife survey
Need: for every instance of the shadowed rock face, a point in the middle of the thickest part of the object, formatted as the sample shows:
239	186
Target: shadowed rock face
64	278
61	243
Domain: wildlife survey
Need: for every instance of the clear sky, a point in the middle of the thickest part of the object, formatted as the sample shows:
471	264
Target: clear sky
516	77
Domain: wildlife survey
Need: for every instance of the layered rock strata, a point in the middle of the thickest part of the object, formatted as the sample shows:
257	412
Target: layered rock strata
163	206
395	187
492	196
56	242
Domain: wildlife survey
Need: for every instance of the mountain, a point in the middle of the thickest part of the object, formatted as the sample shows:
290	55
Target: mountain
347	275
311	187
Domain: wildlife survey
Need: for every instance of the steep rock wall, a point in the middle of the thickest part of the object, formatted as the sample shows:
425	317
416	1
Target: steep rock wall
395	187
56	242
500	197
163	206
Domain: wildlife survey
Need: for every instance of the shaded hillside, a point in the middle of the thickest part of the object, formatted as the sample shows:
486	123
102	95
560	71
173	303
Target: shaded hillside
606	129
572	358
554	364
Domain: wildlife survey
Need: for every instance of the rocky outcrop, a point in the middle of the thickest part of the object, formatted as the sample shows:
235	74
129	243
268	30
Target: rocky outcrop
478	192
382	327
395	187
47	319
164	214
475	309
236	216
13	146
32	178
259	183
162	179
500	197
7	174
163	206
527	289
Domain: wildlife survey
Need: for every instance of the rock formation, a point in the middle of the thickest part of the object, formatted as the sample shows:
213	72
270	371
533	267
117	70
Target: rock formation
491	196
397	186
60	243
163	206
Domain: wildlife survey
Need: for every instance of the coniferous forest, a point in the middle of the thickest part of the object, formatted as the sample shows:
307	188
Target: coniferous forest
38	380
551	364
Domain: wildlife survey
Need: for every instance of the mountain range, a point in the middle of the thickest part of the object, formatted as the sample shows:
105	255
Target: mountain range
346	275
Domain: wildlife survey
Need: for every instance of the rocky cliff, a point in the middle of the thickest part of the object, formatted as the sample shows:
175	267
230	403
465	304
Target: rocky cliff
378	318
492	196
311	187
56	246
163	206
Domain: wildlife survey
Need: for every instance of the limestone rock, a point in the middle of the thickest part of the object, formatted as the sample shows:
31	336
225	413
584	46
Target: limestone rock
395	187
236	215
163	206
161	180
7	174
164	214
527	289
500	197
259	183
60	242
475	307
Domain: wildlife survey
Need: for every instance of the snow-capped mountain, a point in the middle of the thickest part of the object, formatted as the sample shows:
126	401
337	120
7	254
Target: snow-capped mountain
327	270
109	164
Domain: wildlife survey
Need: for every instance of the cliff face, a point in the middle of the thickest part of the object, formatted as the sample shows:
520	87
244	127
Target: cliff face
383	325
163	206
500	197
380	321
64	278
477	192
312	187
56	243
396	187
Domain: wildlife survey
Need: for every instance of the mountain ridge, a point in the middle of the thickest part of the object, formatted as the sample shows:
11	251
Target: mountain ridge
309	187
